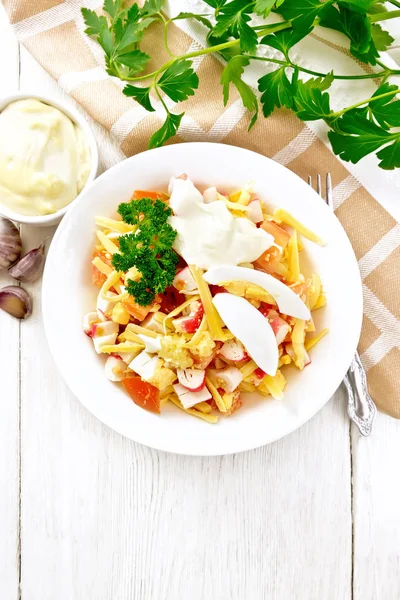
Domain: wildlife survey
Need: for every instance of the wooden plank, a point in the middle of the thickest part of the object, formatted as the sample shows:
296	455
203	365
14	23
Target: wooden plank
9	396
376	493
103	517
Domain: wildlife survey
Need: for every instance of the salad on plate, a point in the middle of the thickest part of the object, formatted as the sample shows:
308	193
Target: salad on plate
202	298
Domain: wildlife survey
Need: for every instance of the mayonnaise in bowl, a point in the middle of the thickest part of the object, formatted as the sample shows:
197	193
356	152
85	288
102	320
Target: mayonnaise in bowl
46	159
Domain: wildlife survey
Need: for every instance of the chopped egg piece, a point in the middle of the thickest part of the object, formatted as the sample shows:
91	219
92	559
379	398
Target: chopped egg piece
144	365
115	368
153	322
152	345
127	357
103	340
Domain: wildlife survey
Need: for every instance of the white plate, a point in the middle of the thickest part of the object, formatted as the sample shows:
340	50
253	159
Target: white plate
68	294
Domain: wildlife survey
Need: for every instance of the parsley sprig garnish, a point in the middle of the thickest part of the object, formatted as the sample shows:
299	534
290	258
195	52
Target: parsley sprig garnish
369	126
149	249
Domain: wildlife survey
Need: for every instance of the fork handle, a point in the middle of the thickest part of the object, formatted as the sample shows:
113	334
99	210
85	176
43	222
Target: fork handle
361	408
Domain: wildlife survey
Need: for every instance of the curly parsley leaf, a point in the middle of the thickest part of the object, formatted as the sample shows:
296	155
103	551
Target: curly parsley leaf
145	212
233	19
140	292
149	249
168	130
276	90
179	81
141	95
232	73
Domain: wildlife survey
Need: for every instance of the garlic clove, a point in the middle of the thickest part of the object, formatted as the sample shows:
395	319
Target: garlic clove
15	301
10	243
29	267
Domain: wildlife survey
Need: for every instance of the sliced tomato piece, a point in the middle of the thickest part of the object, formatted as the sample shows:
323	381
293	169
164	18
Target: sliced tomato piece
216	289
281	236
143	394
170	299
259	373
139	194
136	310
269	260
302	290
265	308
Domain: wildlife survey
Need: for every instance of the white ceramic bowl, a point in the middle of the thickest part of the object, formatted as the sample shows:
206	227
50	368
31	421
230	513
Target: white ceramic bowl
76	117
68	294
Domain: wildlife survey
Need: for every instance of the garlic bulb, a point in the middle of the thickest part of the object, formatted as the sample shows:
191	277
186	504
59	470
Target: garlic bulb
10	243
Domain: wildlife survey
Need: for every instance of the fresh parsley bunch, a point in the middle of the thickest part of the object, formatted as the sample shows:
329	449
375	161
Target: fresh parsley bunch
149	249
368	126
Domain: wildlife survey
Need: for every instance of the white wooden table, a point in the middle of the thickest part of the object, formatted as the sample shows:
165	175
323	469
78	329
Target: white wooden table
88	515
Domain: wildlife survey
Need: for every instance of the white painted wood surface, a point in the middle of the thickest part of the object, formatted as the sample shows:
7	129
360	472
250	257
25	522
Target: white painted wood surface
103	518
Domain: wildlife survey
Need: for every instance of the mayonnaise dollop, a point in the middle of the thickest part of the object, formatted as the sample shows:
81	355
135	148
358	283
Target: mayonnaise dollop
45	159
208	234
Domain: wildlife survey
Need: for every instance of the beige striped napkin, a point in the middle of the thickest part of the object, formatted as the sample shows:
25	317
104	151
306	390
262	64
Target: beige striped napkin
52	30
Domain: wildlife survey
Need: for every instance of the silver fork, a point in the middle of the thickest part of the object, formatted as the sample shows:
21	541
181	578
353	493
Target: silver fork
360	406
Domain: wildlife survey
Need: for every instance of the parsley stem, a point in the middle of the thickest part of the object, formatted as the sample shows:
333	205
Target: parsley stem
272	28
338	114
393	14
210	50
291	65
395	3
166	39
161	98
